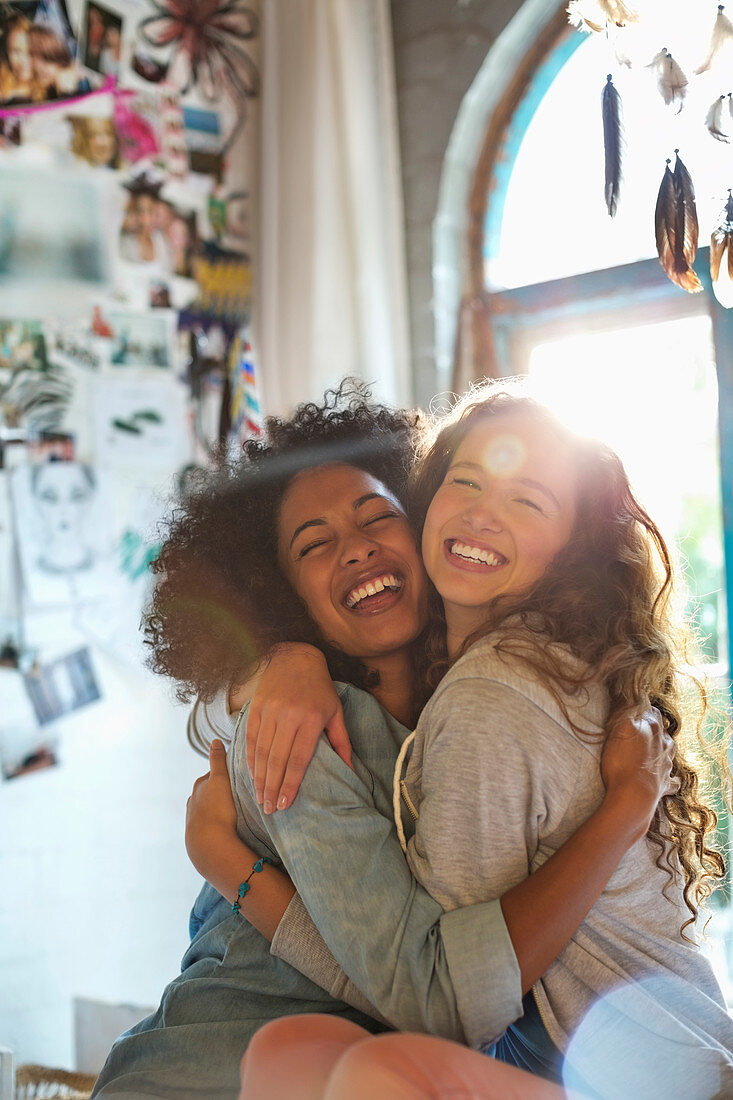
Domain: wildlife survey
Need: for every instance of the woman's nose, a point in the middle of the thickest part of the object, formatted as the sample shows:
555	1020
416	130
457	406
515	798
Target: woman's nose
484	514
356	548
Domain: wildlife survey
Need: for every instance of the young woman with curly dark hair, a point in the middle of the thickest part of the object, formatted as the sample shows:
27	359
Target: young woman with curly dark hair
323	491
555	618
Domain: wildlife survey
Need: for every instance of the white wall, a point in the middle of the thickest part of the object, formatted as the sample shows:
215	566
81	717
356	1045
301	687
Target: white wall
95	886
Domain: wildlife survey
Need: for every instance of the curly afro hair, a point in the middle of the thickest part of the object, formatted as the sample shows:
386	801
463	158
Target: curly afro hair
221	601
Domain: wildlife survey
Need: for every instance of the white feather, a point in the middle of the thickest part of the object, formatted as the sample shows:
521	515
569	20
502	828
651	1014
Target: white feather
722	33
586	15
671	81
714	120
619	13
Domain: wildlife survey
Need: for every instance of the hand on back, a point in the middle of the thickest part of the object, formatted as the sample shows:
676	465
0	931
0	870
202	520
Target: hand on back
636	764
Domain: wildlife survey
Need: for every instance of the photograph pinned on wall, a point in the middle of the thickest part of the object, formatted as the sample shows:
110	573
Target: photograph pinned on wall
228	219
204	141
34	393
24	746
159	294
10	131
62	686
156	230
74	345
102	38
141	423
94	140
149	126
142	340
52	447
53	241
39	54
63	533
82	133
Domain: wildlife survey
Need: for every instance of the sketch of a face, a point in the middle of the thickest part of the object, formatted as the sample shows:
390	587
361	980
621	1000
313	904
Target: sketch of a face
62	493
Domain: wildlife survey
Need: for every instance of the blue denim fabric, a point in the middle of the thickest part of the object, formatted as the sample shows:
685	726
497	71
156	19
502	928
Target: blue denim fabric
451	974
424	969
229	985
526	1044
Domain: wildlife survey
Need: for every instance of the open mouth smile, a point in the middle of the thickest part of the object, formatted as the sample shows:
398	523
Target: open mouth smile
466	554
374	593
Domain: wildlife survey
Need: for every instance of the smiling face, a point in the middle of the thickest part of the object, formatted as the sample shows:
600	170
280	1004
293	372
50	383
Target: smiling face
348	550
101	140
505	508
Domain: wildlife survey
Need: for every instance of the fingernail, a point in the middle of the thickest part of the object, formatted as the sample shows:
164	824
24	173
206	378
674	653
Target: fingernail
268	806
282	802
258	796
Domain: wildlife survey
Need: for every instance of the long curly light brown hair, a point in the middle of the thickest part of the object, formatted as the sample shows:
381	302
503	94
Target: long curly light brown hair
608	597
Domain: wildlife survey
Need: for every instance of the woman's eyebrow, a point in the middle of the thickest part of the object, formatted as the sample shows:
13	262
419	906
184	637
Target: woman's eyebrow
308	523
532	484
323	522
367	497
529	482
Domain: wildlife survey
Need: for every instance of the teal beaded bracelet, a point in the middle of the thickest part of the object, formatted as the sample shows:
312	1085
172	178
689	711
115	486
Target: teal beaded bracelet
244	886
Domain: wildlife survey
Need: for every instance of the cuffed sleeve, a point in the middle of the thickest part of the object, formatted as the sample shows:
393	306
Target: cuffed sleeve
489	972
297	941
340	847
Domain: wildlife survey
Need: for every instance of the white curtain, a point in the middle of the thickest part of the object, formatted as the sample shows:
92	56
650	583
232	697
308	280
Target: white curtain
331	286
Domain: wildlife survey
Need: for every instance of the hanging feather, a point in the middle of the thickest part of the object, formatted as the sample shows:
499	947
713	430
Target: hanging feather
675	225
721	242
617	12
594	15
579	15
612	141
714	119
722	33
671	81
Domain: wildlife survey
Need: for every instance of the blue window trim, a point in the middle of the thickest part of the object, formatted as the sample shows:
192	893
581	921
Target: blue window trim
542	78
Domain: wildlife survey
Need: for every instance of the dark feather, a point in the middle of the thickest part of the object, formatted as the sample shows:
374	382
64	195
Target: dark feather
612	143
676	229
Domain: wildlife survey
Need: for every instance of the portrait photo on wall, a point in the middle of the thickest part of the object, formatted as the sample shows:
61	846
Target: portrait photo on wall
94	140
156	231
102	37
38	54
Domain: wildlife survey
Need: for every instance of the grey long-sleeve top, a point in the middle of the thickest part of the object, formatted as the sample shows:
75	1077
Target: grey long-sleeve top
359	913
500	780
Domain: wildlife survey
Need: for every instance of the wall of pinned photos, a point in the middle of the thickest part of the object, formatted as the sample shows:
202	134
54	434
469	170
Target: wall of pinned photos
128	162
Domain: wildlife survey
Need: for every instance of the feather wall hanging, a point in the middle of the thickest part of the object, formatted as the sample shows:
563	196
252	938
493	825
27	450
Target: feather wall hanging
597	14
717	118
722	33
612	143
676	228
721	256
671	81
